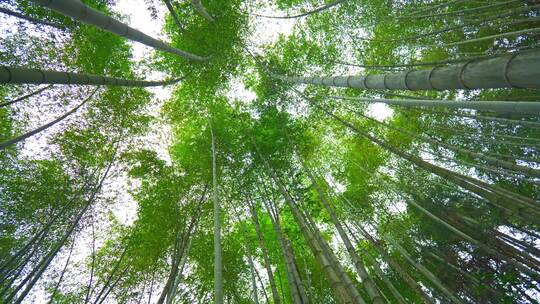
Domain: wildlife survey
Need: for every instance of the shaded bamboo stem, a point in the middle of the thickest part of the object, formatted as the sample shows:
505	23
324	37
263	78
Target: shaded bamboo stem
491	160
197	4
322	8
170	8
83	13
10	102
24	136
30	19
14	75
463	11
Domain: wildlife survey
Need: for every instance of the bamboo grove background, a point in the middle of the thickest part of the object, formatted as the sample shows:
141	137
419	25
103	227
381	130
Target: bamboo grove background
390	153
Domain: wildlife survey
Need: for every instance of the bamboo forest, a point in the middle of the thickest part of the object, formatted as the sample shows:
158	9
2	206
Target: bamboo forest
269	151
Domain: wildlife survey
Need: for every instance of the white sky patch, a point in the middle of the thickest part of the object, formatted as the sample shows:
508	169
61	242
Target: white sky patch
240	92
267	30
140	19
379	111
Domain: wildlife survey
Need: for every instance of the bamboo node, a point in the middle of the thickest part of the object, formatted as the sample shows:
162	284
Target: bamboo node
42	75
68	75
460	75
384	82
365	81
348	81
405	80
429	79
9	74
505	72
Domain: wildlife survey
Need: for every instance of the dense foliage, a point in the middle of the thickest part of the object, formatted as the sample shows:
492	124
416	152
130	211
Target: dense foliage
313	195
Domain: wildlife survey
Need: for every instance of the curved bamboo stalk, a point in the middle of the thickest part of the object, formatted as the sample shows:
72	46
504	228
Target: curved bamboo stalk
83	13
454	163
376	267
5	268
518	70
395	265
170	8
264	250
463	11
35	275
13	75
253	279
9	278
31	19
461	234
185	247
89	289
334	262
176	257
322	8
107	284
251	265
24	136
57	285
7	103
114	284
197	4
533	124
298	285
491	160
431	8
496	138
472	240
262	284
455	27
495	36
378	271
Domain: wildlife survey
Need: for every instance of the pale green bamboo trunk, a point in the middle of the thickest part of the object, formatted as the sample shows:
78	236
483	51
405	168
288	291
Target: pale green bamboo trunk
529	107
264	250
518	70
295	285
369	284
83	13
199	7
12	75
218	268
342	289
170	8
26	135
